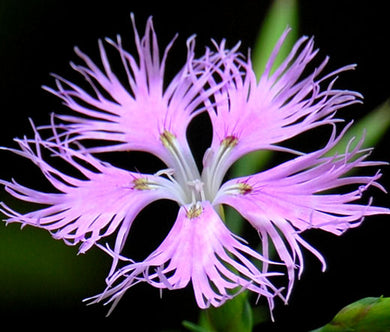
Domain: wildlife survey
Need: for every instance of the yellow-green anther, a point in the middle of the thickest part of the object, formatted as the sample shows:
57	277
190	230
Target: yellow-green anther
141	184
244	188
229	142
194	211
167	139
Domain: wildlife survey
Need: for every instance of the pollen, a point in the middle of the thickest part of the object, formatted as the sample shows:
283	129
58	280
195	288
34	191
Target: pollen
167	139
194	211
141	184
244	188
230	141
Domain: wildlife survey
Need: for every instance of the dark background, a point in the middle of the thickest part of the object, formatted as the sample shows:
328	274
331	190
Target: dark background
43	281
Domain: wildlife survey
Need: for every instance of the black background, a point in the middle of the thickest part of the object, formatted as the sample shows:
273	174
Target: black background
37	38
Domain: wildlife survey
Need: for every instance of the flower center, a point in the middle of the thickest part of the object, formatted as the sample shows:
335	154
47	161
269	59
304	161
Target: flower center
196	188
193	187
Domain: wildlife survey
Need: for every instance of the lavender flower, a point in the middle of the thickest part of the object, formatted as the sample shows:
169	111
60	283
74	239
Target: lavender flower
147	114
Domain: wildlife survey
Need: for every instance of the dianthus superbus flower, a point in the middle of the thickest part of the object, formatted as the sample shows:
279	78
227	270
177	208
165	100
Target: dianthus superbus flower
148	114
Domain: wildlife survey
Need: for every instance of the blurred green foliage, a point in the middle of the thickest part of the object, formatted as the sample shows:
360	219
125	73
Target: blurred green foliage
34	268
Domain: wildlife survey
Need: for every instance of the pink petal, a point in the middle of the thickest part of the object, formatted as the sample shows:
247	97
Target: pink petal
86	208
290	198
135	115
260	114
200	249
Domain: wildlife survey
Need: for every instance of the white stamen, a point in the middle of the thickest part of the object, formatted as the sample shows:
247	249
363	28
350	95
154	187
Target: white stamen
169	172
197	186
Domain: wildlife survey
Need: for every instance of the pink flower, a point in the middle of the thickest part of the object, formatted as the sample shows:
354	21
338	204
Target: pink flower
148	114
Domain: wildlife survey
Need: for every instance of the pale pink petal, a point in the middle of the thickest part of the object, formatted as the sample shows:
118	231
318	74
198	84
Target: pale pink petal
201	250
294	196
250	114
98	201
142	112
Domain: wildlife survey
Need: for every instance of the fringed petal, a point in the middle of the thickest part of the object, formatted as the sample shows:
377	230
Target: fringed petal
201	250
86	207
297	195
250	115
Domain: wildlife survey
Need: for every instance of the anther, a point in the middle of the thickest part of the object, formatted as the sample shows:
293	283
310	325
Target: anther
229	141
194	211
141	184
167	139
244	188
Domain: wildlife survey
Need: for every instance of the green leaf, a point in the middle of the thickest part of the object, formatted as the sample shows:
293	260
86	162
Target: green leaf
375	125
235	315
251	163
282	14
194	327
370	314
